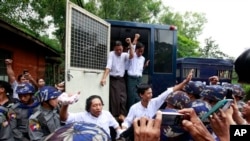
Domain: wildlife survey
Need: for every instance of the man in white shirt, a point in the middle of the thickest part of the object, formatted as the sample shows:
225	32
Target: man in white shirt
116	63
22	78
94	114
148	106
135	70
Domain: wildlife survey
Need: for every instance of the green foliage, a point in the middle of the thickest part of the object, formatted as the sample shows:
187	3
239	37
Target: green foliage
28	16
247	91
190	26
211	50
31	15
130	10
187	47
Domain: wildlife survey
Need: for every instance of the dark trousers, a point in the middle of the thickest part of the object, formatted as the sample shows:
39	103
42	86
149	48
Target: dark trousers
118	96
133	97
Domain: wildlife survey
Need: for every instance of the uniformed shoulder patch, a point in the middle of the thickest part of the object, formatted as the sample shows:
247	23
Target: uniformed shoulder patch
34	125
11	115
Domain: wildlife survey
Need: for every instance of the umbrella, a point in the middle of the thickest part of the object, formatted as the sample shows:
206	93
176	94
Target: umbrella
79	131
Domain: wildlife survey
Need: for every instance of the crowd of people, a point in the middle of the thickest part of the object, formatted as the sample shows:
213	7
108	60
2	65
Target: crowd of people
33	111
201	99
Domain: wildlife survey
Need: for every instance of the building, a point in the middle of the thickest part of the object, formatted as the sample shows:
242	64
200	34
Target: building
27	52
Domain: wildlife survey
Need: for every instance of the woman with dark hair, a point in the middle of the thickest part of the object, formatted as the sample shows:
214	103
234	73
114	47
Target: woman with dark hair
94	114
5	103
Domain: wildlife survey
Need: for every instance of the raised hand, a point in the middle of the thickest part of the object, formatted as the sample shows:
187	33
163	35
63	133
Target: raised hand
68	98
8	61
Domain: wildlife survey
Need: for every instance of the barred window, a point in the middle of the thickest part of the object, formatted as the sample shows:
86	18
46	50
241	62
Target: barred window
88	42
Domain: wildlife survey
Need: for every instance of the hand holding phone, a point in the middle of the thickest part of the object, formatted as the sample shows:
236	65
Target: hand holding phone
171	118
222	104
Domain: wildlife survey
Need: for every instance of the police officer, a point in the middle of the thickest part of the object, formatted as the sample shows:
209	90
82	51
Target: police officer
5	129
22	110
194	89
178	100
5	103
213	93
175	101
46	119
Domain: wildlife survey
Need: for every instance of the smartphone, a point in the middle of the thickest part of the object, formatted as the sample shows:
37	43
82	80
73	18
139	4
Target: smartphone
25	71
172	119
229	94
222	104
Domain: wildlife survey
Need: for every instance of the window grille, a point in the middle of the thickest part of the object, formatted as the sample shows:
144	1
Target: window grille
88	42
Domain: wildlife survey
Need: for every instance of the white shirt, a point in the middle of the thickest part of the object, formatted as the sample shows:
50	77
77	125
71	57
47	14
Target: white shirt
135	65
137	110
104	120
14	87
117	64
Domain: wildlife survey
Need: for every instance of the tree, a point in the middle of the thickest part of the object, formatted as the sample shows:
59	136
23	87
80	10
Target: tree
190	26
186	47
211	50
33	15
130	10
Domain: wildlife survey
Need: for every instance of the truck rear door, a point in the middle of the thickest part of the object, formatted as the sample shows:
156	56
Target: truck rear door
86	51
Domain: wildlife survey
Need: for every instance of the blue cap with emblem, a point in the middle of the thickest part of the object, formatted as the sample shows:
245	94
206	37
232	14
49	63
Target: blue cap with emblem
48	92
25	88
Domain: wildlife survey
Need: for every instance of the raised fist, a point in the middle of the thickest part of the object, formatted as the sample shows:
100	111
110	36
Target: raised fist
128	40
137	35
8	61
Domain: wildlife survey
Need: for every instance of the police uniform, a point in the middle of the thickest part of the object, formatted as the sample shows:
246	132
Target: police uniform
19	113
42	123
5	129
214	93
175	101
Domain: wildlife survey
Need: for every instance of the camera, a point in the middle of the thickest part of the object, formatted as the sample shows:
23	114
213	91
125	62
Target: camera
25	71
172	119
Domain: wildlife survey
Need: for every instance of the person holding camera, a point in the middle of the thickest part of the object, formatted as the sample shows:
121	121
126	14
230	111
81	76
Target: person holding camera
24	77
146	129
